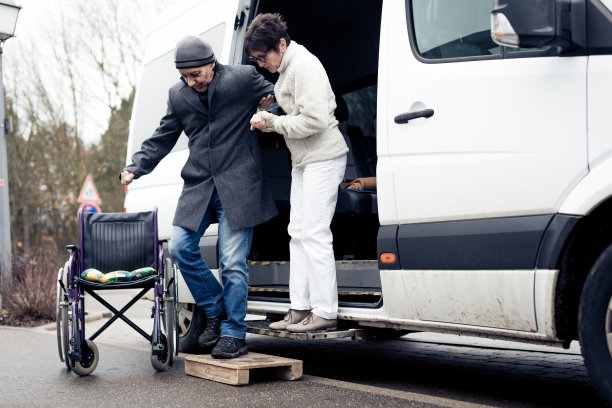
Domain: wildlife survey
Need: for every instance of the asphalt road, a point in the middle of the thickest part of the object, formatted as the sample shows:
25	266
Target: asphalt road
418	370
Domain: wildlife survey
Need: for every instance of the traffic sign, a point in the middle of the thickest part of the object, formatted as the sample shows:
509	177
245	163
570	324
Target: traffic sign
91	208
89	194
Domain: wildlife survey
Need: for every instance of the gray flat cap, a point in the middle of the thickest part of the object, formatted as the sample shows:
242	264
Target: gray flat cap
192	51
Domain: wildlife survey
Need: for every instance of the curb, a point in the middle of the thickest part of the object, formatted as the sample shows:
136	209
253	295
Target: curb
88	318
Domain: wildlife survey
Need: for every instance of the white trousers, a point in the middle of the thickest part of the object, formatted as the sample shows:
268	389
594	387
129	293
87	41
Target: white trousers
312	279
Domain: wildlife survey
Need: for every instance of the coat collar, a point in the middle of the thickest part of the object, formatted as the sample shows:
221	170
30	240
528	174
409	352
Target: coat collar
219	68
288	56
193	98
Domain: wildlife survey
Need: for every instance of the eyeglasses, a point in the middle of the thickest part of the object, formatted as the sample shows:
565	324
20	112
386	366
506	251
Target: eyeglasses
261	58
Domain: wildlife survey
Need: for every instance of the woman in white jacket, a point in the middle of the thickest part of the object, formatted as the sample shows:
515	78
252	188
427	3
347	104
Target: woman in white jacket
318	157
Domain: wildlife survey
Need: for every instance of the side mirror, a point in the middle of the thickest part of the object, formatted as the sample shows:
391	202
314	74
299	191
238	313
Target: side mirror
537	23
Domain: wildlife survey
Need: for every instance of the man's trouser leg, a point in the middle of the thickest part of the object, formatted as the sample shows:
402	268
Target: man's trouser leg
185	252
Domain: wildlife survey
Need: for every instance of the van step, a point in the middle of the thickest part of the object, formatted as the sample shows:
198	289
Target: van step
261	327
341	292
345	295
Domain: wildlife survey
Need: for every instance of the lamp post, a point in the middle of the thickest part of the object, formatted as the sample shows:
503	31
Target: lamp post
8	20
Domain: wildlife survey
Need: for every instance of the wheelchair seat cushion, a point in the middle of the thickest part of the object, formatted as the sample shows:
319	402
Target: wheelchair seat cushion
94	275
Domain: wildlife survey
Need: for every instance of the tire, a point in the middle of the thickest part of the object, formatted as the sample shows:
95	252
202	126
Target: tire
58	315
171	308
66	335
163	363
62	320
595	324
191	323
91	356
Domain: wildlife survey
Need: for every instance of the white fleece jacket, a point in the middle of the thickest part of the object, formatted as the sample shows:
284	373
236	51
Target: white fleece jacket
305	94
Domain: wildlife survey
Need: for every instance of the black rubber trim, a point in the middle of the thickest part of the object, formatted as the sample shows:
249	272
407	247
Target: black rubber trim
148	281
556	236
493	243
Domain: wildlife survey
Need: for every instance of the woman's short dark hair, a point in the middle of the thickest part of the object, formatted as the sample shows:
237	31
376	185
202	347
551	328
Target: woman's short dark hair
265	32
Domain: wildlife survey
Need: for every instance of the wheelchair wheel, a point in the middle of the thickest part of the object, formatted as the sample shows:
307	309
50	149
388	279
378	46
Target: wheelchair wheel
161	362
171	309
58	315
62	321
89	356
66	335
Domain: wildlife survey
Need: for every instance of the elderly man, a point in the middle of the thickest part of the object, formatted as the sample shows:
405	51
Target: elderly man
223	182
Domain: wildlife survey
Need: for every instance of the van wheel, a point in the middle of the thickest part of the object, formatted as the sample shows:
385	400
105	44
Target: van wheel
191	323
595	324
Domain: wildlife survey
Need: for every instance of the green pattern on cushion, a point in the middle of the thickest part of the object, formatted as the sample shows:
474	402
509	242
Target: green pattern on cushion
141	273
94	275
116	276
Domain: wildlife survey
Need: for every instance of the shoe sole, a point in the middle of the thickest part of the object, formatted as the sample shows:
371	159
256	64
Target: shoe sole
209	343
241	352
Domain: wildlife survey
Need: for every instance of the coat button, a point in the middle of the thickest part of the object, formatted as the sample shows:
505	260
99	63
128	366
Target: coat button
212	145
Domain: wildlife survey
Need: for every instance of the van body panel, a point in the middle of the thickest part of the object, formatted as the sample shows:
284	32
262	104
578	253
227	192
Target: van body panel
504	300
594	189
599	100
486	149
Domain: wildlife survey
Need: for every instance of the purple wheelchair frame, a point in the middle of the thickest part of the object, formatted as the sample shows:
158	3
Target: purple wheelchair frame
77	301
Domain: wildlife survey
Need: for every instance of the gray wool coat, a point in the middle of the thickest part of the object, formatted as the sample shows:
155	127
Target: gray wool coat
223	152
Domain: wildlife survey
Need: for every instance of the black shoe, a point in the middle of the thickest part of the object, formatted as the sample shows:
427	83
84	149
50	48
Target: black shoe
212	332
229	347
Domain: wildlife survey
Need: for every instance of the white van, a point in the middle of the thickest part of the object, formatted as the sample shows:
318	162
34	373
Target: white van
493	214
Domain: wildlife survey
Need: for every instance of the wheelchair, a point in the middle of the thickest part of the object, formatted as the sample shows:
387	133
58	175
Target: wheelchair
116	251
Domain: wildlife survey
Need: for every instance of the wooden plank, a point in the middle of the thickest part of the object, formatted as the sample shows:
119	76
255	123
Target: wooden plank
235	371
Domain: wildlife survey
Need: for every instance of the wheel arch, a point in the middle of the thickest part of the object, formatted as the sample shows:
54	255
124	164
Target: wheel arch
591	236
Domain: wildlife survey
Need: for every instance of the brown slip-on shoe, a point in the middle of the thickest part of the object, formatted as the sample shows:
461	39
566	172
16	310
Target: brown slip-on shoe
312	322
292	316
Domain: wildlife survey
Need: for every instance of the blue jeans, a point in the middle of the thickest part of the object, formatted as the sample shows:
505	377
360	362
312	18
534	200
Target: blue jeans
210	296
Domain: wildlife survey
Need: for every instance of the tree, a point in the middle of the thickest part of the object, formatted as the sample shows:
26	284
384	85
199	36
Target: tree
108	157
54	97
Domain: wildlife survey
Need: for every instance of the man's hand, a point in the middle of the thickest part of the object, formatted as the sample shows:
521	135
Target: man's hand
265	102
126	177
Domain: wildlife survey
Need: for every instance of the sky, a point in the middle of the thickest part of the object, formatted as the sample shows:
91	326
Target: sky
33	24
37	22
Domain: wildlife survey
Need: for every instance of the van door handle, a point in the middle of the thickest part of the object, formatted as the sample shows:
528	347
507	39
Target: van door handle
408	116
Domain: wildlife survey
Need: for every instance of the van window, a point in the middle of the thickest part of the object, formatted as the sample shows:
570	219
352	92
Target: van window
452	28
361	106
156	79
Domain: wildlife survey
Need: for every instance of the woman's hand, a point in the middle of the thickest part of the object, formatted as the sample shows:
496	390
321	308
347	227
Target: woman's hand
257	122
263	121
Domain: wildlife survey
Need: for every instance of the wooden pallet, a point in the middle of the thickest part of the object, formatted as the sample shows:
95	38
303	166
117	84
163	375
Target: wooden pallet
235	371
